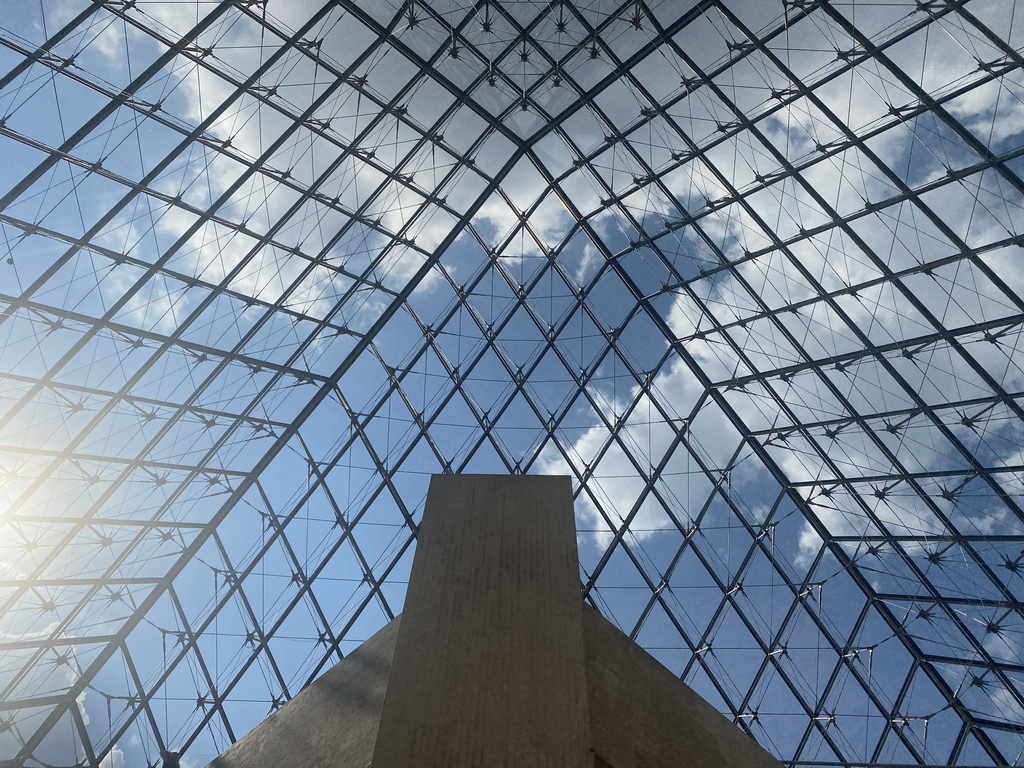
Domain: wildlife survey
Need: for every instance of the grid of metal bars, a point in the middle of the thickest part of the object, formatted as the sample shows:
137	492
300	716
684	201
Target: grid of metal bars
749	272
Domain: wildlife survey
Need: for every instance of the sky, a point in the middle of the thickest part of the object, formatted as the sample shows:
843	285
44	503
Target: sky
760	297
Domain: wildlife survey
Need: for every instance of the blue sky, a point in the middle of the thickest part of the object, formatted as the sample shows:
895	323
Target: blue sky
161	348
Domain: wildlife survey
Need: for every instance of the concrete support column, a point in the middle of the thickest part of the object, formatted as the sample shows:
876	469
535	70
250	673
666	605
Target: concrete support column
496	662
489	668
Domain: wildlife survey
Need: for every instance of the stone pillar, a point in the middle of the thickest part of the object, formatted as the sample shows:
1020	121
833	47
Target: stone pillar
496	662
489	668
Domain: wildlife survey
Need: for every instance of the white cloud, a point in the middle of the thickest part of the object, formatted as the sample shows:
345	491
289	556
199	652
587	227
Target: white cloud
114	758
80	701
882	314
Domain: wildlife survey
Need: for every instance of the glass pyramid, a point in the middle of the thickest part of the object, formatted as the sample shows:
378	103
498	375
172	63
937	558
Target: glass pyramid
750	272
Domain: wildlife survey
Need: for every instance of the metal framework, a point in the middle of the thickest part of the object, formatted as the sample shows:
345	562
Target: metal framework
750	272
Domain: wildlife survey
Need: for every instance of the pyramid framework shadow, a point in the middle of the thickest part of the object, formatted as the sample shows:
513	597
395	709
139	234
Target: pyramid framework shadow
496	661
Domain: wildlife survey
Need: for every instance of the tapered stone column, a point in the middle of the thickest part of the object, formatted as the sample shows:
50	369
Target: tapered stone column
489	668
496	662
